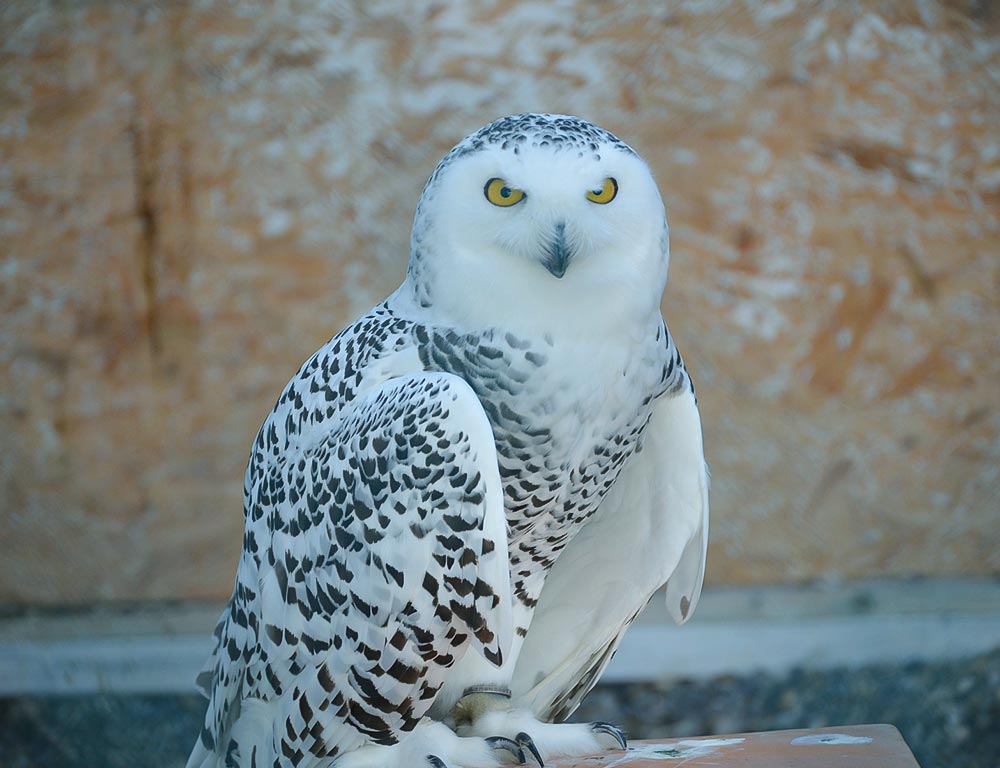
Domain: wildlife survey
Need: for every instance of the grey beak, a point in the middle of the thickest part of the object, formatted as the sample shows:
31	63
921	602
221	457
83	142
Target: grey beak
557	253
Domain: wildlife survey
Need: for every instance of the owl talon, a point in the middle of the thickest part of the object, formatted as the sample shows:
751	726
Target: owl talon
436	762
528	744
503	744
610	730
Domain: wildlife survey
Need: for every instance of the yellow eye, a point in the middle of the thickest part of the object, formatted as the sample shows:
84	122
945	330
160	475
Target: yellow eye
605	194
499	193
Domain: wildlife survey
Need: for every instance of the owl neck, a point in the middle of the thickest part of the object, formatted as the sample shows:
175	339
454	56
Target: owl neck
528	301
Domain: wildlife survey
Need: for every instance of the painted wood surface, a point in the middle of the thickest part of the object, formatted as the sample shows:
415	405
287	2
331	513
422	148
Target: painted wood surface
854	746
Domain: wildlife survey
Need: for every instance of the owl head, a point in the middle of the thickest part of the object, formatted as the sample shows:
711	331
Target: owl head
539	219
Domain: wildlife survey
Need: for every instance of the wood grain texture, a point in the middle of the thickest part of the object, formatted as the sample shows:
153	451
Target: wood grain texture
193	197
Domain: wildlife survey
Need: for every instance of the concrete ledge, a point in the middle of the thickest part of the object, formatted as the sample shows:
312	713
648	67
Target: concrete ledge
818	626
160	649
713	648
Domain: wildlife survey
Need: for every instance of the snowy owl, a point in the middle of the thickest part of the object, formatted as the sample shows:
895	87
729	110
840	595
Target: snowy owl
460	502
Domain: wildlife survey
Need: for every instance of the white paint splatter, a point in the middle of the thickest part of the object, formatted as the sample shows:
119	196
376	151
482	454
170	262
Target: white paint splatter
844	338
767	13
831	738
940	499
276	223
683	156
764	321
674	750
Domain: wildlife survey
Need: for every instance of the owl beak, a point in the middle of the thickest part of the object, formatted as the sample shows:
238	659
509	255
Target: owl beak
557	252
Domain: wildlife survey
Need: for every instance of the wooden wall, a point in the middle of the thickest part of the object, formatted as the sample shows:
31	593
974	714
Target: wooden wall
194	196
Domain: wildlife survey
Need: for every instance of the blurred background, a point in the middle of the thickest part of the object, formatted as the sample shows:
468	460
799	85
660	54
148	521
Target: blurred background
196	195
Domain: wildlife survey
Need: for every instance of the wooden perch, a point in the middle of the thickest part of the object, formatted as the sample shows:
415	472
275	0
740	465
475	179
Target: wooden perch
851	746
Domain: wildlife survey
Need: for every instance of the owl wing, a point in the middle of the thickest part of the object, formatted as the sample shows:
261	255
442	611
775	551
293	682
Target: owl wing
651	529
372	561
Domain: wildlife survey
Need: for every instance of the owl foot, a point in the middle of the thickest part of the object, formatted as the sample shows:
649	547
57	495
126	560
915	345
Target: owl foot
434	745
492	715
505	751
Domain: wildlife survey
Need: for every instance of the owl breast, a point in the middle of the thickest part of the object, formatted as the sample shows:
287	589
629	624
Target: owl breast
565	416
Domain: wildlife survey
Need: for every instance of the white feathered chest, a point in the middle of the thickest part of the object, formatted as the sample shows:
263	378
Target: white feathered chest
566	414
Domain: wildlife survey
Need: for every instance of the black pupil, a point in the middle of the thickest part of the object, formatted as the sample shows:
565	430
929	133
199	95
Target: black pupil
504	191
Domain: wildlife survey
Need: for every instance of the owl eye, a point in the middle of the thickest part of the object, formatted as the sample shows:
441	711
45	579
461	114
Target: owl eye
605	194
499	193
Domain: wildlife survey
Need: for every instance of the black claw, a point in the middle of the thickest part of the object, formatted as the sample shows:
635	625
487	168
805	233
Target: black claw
613	731
528	743
498	743
436	762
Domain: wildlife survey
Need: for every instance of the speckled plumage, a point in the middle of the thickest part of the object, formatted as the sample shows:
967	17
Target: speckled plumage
412	488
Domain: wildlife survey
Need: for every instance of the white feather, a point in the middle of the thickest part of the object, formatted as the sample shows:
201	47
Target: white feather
651	529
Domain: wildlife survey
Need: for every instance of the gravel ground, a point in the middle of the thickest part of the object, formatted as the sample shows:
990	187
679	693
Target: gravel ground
949	714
